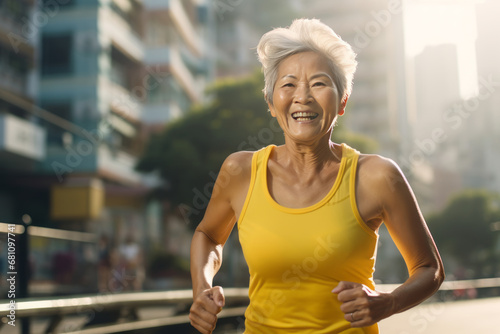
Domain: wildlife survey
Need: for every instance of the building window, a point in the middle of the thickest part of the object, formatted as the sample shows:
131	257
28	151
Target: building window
56	54
54	132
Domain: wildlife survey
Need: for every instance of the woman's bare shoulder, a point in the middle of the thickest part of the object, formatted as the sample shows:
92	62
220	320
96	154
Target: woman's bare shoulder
377	161
234	179
236	170
376	169
380	185
238	162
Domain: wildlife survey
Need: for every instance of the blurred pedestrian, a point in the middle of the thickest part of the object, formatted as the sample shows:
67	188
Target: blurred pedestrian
105	265
132	267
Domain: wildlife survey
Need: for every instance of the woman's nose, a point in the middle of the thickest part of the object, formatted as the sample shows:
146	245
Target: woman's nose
303	94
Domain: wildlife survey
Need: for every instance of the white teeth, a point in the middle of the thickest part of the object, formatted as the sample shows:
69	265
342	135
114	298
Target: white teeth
304	116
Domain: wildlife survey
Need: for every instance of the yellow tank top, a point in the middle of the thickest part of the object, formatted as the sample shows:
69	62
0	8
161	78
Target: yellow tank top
297	256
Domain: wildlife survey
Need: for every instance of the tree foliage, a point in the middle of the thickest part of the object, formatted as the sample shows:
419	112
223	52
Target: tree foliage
189	152
463	230
191	149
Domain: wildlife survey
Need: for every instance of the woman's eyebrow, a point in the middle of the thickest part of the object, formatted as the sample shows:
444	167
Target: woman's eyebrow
321	74
314	76
288	76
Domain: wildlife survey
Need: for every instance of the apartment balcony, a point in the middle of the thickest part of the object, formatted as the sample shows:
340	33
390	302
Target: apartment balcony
117	165
120	100
13	81
15	32
120	32
105	160
22	138
180	19
171	57
17	74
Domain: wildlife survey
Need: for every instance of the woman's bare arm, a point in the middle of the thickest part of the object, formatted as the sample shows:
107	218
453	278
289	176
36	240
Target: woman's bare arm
410	233
384	195
210	236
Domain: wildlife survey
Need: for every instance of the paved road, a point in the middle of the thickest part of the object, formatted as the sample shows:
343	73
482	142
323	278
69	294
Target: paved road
481	316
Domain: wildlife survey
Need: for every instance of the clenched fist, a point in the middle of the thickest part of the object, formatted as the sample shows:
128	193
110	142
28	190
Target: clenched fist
206	306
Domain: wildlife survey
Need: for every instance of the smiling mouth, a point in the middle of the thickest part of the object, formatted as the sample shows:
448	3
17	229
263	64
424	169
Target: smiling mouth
303	116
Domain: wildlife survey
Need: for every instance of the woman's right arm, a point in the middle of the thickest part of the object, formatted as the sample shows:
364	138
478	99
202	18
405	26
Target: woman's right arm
208	241
206	258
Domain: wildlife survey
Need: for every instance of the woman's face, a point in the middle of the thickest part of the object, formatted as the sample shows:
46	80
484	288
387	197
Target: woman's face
305	98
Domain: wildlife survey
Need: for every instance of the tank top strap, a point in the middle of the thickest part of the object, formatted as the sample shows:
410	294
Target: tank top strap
348	151
350	155
262	155
341	188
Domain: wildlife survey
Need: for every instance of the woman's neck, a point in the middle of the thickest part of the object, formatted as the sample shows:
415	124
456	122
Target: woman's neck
309	159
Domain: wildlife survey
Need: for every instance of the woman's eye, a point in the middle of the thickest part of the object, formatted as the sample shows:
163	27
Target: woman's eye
288	84
318	83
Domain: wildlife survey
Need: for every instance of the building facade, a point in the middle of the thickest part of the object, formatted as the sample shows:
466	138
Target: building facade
92	75
84	84
178	42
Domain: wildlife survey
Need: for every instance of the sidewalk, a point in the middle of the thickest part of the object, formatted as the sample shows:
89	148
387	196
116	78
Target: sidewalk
460	317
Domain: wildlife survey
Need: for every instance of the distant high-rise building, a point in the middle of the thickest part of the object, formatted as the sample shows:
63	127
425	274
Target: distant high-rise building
436	87
236	41
118	69
452	110
488	53
84	82
92	75
179	47
240	25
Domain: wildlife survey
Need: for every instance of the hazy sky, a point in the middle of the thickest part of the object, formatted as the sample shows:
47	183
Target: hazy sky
444	21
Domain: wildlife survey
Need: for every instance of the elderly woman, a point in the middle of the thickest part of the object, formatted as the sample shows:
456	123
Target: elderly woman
308	211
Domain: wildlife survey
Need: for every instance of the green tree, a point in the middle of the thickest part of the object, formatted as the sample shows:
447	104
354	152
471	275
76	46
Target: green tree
463	230
189	152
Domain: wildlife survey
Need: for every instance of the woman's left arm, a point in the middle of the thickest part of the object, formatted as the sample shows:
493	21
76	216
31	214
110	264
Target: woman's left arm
393	203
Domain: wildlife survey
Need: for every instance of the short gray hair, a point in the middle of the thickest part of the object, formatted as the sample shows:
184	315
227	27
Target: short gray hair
306	35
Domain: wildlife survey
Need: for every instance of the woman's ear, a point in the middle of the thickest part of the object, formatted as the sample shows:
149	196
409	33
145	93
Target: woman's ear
343	103
271	109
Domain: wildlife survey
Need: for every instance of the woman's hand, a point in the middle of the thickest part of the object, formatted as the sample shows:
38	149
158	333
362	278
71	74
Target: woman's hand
363	306
206	306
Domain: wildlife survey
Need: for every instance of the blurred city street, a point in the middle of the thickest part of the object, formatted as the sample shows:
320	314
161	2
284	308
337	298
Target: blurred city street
457	317
116	117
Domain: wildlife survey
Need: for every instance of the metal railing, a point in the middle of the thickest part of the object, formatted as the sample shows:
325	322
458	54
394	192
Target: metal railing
119	312
58	308
236	300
